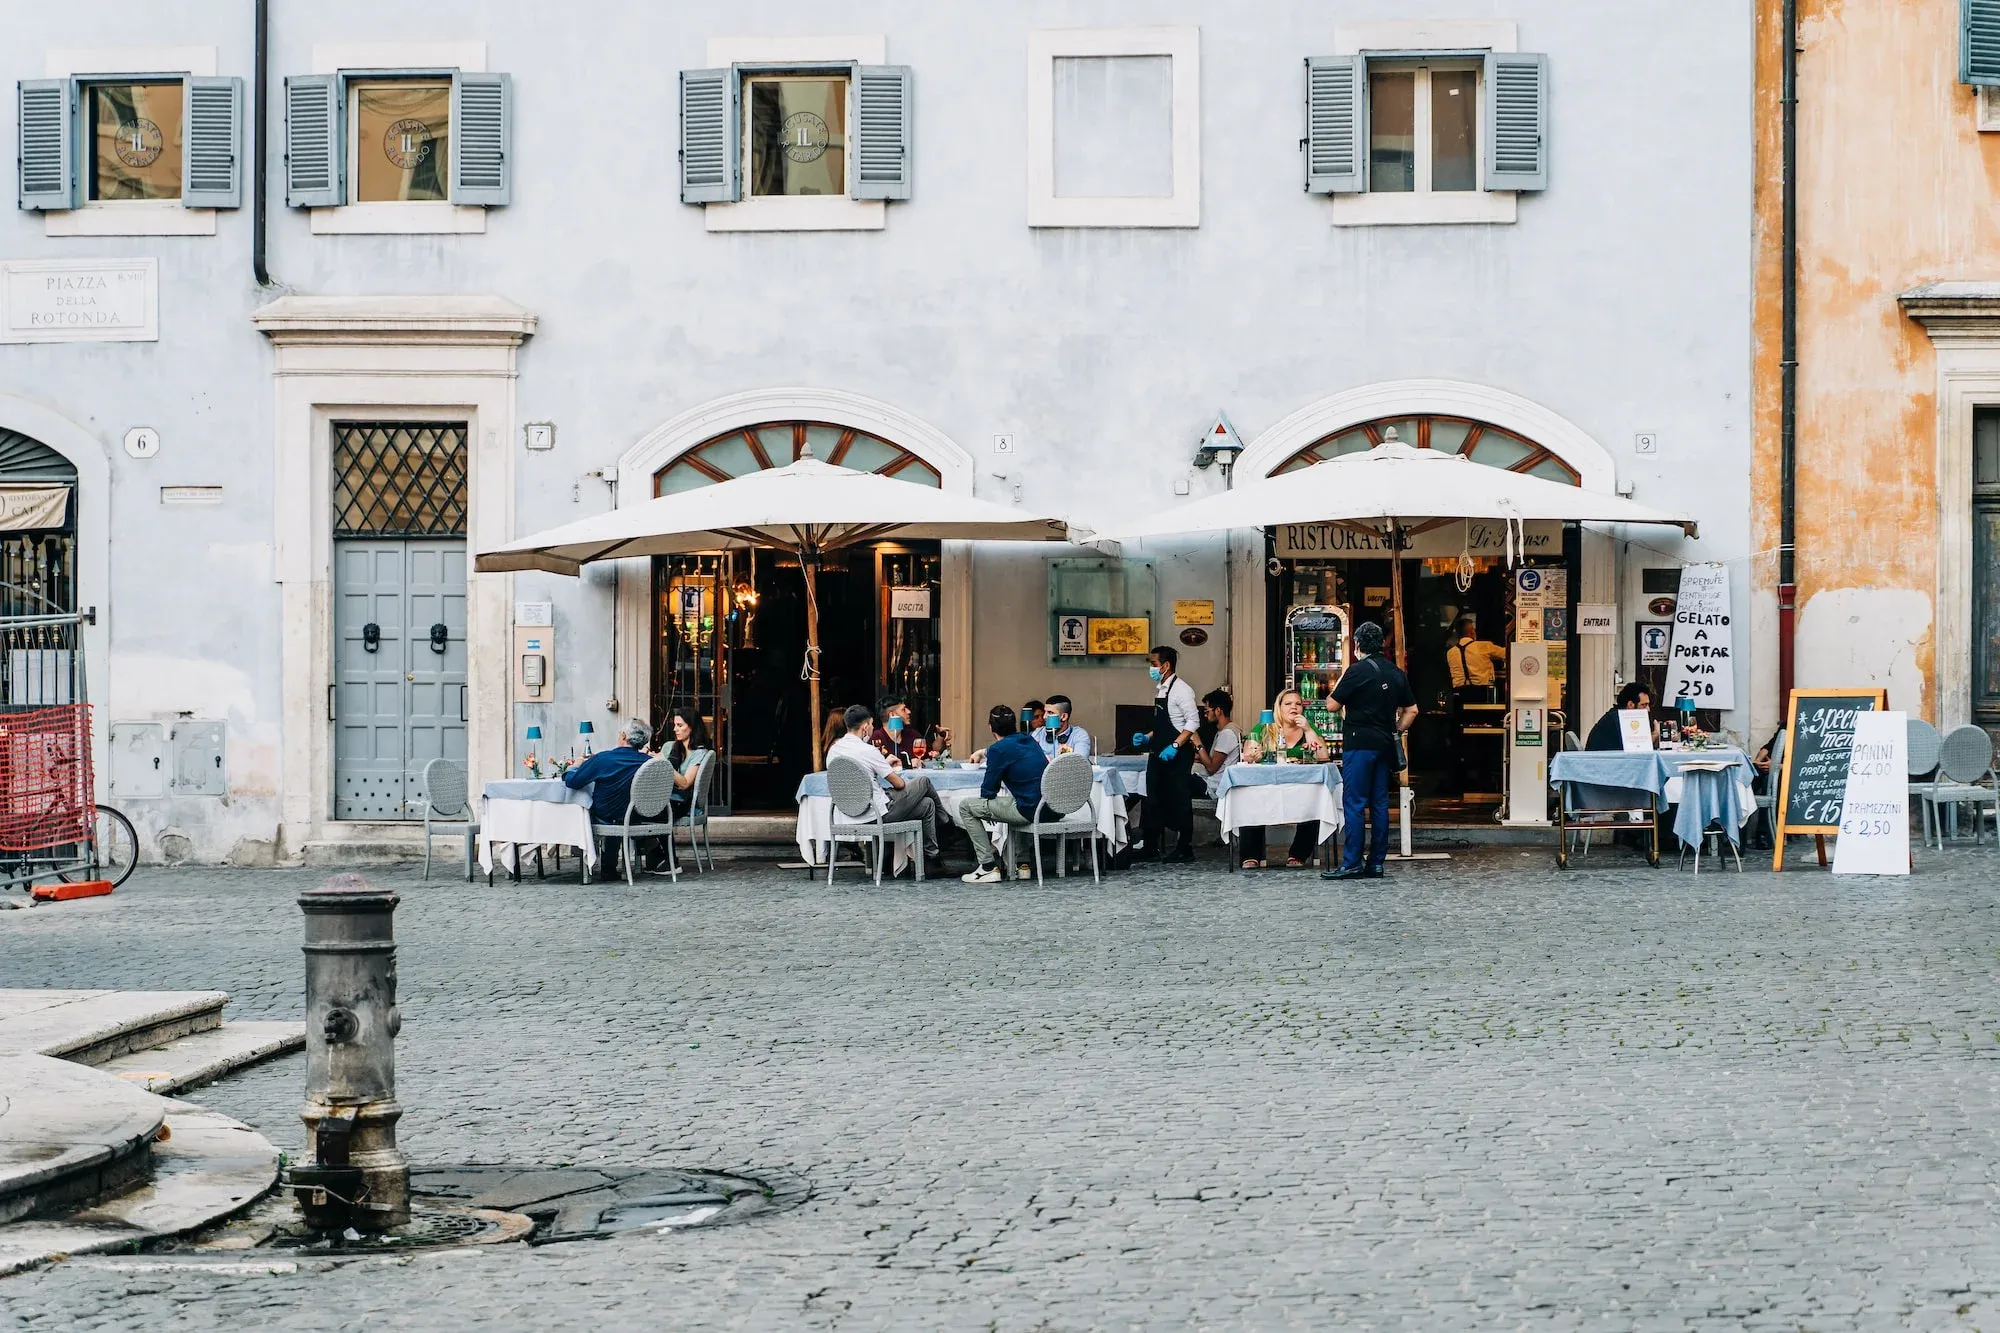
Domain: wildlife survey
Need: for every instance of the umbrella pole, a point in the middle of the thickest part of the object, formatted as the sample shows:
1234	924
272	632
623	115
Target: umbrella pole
809	566
1404	804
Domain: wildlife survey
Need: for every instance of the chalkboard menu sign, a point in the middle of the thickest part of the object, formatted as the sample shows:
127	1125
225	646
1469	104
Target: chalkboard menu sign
1819	734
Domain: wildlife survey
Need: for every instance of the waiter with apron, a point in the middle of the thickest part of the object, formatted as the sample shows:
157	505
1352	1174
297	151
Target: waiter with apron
1170	750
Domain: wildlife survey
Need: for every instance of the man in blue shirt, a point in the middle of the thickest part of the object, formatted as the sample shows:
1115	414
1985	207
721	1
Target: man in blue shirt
1014	760
611	771
1058	733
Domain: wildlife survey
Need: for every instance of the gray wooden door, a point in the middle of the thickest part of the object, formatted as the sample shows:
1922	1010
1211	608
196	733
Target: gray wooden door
1986	568
399	702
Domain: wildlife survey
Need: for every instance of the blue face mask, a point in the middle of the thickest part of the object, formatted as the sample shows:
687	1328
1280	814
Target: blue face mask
1154	672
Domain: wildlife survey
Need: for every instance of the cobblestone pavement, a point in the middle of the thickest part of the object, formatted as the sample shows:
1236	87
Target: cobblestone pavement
1478	1094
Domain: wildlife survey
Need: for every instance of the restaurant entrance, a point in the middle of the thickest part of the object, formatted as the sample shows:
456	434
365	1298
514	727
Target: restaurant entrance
729	635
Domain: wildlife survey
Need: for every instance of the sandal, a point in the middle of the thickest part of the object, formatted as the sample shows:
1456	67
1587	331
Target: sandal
1253	865
1293	863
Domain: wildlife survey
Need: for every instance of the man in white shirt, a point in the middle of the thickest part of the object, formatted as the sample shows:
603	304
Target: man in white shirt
1221	752
1058	733
913	797
1169	803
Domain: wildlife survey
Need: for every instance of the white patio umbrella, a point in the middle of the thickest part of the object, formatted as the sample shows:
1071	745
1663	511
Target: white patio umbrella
807	508
1390	490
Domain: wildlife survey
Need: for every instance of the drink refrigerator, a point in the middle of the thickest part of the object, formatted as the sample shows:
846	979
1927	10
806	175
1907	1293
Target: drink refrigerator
1316	652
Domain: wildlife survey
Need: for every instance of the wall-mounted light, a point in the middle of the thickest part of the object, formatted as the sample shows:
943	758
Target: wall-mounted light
1219	444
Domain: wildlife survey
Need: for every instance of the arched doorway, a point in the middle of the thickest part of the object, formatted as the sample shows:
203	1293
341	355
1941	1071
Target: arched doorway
728	628
1453	575
37	570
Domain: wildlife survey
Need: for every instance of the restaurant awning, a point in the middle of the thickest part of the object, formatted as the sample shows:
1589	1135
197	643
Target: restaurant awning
807	507
1394	482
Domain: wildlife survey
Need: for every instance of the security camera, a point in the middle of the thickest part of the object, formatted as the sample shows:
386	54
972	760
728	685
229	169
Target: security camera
1273	567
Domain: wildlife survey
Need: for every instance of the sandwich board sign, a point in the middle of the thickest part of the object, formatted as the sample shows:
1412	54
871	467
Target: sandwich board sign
1819	735
1875	808
1700	662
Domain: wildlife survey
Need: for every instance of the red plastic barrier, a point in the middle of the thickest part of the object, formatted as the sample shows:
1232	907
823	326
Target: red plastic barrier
47	789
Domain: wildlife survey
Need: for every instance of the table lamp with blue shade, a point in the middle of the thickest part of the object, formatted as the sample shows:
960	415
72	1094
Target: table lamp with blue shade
534	733
585	730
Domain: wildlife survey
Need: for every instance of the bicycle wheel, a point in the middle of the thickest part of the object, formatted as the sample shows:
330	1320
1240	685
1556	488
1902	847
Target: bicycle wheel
111	853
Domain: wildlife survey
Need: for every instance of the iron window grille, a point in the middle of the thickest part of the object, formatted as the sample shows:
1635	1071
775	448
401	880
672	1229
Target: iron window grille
399	478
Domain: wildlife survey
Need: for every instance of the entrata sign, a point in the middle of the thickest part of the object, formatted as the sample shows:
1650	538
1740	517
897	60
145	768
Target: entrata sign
1700	662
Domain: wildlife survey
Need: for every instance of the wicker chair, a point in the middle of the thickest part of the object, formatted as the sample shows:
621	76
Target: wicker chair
1964	777
1767	799
1926	747
446	809
695	818
1066	793
652	790
853	789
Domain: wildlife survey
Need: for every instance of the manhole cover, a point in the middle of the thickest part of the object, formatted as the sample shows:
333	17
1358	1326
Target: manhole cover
576	1203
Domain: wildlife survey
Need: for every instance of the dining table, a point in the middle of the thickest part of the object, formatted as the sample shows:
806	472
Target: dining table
1260	795
1709	786
954	787
533	812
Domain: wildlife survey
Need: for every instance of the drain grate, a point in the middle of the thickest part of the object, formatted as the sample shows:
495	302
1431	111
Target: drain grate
576	1203
432	1225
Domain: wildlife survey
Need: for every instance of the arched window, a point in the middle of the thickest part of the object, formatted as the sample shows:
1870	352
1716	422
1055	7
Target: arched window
776	443
1478	441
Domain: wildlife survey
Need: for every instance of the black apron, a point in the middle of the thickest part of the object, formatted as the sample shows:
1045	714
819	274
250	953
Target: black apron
1169	804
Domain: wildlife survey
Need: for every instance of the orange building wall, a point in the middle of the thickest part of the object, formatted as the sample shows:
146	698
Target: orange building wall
1896	188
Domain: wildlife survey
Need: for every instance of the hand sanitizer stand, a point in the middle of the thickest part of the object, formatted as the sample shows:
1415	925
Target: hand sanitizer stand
1527	736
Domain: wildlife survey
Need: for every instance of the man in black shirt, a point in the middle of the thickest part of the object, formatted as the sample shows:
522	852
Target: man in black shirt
1607	734
1376	707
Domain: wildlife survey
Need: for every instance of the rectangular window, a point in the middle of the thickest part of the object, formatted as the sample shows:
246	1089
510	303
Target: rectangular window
135	138
795	134
399	140
1423	128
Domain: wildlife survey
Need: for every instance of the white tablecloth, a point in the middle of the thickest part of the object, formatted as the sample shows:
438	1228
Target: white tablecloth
1261	795
535	813
953	788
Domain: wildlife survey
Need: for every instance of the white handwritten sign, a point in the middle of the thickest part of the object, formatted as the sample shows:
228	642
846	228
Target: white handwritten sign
79	300
1875	813
1700	663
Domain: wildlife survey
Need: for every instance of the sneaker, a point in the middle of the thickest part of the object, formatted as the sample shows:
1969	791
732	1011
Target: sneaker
982	875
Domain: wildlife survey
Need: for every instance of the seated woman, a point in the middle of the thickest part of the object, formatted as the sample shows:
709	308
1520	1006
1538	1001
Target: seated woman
1302	745
690	747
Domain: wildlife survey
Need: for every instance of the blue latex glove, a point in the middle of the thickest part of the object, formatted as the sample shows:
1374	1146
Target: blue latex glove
1167	755
1139	739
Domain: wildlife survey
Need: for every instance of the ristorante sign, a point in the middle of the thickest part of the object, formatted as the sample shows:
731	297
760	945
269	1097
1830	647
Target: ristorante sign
1479	537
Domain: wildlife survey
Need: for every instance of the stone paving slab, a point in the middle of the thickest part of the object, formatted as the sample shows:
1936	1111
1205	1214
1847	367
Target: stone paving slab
92	1026
203	1057
62	1126
1477	1094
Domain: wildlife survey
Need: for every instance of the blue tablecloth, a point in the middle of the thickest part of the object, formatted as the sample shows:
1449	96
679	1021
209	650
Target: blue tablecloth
1121	774
1619	780
1277	775
550	790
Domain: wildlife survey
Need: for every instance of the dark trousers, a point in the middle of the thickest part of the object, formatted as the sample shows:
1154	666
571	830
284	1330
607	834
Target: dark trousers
1169	798
1305	842
1364	777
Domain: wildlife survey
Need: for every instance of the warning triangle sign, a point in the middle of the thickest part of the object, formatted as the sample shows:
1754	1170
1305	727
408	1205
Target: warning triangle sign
1222	435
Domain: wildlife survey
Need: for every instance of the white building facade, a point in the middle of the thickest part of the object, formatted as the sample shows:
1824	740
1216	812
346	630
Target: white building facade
508	274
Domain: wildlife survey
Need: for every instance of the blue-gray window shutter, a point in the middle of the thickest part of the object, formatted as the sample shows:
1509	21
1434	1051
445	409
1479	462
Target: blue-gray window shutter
1517	116
1336	124
314	153
482	131
882	115
212	165
1979	43
708	136
44	153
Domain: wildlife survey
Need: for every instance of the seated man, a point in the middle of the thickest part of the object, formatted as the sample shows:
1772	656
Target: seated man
1014	760
1058	734
1605	735
914	798
1216	745
608	774
893	733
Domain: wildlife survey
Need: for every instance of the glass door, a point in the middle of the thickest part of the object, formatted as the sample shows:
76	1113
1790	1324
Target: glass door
698	611
907	646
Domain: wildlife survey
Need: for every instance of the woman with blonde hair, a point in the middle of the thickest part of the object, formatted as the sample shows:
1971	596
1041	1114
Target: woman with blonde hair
1294	741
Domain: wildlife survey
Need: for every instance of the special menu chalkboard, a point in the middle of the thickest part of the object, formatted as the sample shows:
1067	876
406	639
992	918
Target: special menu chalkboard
1819	734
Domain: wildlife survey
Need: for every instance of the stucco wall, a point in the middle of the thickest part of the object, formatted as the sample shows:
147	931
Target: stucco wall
1896	188
1619	300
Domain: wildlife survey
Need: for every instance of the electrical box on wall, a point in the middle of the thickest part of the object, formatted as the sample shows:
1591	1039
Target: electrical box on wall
137	761
198	759
534	663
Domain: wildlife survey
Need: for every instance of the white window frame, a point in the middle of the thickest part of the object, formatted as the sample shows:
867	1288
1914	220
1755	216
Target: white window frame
1182	208
128	217
397	217
1988	109
771	212
1385	41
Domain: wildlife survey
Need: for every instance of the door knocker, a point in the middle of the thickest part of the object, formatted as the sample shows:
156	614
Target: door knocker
440	637
371	638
